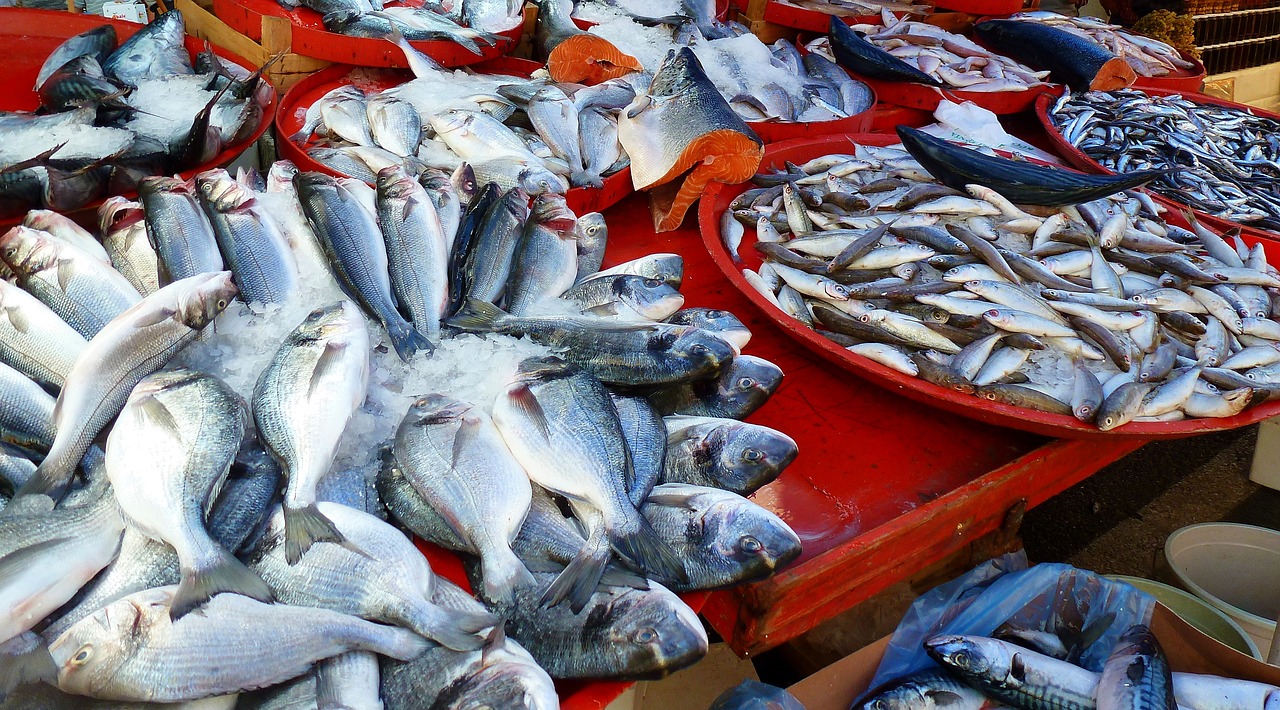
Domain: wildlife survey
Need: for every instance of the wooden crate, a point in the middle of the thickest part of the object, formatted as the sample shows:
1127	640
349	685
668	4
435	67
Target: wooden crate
277	37
753	17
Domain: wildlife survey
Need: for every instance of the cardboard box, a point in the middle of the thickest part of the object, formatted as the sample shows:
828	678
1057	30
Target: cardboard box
1189	650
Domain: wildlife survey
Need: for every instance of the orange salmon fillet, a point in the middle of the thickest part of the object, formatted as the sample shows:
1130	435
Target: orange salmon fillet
588	59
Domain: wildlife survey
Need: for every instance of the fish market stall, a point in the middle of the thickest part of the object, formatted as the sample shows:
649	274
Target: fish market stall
72	163
356	33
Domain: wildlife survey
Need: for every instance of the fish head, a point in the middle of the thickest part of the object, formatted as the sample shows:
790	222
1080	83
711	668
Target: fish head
28	250
436	179
651	298
118	213
219	189
280	176
505	684
394	182
90	653
157	184
552	211
651	631
453	121
47	221
591	231
537	180
970	656
906	694
329	322
751	455
435	409
668	268
678	73
749	378
463	181
535	369
723	324
703	350
756	540
202	297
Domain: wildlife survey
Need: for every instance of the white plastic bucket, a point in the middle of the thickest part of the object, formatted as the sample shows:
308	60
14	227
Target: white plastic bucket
1234	567
1199	613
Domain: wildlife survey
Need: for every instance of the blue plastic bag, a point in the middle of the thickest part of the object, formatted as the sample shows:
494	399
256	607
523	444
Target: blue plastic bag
1080	605
754	695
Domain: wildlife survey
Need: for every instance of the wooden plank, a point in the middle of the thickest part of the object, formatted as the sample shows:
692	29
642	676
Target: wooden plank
203	24
758	617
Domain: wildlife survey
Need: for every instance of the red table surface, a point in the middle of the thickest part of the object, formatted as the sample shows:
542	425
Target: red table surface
883	487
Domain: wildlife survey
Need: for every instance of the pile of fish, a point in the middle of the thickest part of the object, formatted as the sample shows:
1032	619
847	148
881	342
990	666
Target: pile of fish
1092	306
1223	160
262	444
1071	59
761	82
856	8
1029	670
1148	57
469	23
538	135
111	115
905	50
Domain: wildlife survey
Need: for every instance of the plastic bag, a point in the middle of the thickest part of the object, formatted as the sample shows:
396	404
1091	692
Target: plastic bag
970	123
754	695
1084	608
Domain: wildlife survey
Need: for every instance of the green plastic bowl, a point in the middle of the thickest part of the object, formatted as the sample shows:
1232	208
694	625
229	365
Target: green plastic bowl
1197	612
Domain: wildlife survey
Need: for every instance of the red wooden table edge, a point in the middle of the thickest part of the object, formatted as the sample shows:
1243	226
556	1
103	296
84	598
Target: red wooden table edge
752	619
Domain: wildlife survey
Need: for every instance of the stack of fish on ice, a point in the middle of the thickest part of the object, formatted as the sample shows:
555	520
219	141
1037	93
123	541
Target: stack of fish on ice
1148	57
1034	669
532	133
583	454
469	23
857	8
760	82
916	52
114	114
1027	285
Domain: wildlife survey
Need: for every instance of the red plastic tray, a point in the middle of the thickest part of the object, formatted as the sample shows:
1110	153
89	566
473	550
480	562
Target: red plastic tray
29	37
1189	80
722	14
717	197
884	486
293	107
801	18
1082	161
1001	8
311	39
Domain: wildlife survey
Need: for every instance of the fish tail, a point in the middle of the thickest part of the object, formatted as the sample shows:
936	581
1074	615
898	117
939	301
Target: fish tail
503	574
395	642
47	481
225	574
477	315
458	630
579	579
25	659
407	340
304	527
650	552
587	178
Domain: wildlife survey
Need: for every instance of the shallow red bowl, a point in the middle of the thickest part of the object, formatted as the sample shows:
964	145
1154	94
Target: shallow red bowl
293	107
311	39
31	35
1079	159
717	197
801	18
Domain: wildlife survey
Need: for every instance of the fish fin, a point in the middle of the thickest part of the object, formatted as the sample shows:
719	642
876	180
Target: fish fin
651	553
155	410
580	577
304	527
226	574
17	319
42	482
1136	669
160	315
457	630
66	272
586	178
502	575
620	577
407	340
477	315
402	644
1095	629
33	161
20	560
522	399
671	500
1018	667
330	358
639	106
944	698
19	667
604	310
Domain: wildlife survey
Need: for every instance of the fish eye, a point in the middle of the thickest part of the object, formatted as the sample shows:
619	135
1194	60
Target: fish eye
700	349
715	314
961	659
646	635
222	303
83	655
316	313
421	402
750	545
753	455
746	383
1108	421
652	283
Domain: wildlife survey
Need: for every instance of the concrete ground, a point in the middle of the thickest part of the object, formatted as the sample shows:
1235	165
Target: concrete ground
1116	521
